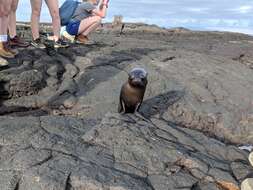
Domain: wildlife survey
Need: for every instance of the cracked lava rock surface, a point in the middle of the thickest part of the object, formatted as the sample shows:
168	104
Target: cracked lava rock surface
59	129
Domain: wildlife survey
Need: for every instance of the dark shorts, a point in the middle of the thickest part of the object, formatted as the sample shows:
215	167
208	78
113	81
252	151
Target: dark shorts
73	27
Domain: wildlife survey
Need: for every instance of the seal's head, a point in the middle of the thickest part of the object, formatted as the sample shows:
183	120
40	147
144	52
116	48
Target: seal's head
138	77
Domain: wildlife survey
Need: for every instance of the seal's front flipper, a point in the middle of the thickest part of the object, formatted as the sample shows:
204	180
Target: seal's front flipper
121	107
137	107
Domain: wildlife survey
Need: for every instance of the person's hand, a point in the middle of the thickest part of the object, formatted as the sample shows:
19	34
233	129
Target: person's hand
105	2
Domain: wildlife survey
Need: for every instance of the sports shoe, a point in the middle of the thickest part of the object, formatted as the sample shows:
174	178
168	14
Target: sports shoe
66	36
38	43
251	158
18	42
9	48
5	50
3	62
60	44
81	39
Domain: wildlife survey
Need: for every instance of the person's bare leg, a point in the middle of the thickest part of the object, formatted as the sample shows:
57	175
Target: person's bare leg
4	12
12	19
35	17
14	40
91	28
53	6
3	25
5	8
89	24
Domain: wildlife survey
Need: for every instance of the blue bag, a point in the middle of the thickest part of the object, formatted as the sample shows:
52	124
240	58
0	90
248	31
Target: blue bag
67	10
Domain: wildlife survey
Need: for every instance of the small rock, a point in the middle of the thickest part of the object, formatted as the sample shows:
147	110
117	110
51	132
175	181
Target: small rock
247	184
71	71
36	178
52	71
51	81
70	102
26	63
251	158
90	136
227	185
240	170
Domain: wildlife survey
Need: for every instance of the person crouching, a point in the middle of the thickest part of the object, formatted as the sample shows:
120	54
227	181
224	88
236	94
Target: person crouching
86	18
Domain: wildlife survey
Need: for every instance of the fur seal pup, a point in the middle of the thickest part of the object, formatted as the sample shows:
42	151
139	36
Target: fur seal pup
132	92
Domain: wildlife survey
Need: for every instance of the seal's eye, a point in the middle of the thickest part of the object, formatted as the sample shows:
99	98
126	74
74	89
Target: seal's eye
142	76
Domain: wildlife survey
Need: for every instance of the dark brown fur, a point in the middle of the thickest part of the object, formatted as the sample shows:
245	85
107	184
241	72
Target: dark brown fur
132	92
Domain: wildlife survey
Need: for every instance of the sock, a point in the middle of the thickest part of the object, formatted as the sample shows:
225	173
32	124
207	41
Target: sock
3	38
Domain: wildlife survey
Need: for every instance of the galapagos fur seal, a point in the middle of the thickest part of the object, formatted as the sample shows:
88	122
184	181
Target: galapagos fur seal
132	92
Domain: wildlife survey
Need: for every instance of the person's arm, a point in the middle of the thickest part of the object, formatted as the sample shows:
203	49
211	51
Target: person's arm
102	9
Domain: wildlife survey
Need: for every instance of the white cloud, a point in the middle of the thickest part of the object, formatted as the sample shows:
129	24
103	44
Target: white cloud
235	15
243	9
197	9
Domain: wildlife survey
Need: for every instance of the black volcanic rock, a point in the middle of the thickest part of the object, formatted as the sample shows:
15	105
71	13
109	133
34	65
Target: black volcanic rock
121	152
27	83
59	129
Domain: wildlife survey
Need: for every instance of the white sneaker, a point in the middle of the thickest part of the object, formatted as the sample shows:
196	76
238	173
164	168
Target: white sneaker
68	37
63	28
3	62
251	158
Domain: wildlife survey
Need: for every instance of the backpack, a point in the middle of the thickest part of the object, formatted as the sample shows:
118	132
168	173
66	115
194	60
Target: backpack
67	10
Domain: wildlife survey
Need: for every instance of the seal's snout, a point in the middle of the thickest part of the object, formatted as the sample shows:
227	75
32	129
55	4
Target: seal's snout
137	82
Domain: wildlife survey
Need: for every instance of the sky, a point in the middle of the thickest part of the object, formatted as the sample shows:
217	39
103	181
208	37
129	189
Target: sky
222	15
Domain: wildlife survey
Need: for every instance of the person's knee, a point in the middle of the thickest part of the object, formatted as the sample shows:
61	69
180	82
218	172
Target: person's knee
36	12
14	5
1	12
55	15
5	11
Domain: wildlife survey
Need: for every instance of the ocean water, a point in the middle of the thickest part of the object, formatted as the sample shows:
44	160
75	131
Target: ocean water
221	15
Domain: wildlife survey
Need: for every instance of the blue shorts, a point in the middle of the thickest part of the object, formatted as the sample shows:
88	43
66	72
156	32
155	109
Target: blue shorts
73	27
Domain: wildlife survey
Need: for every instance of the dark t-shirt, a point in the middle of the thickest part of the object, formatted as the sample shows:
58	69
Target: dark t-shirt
83	11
